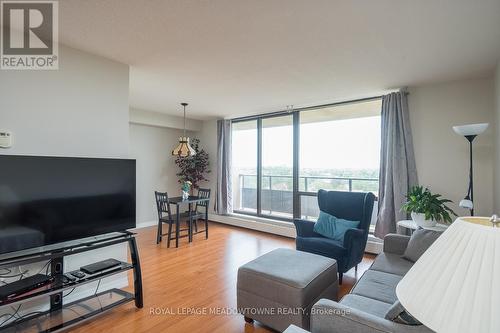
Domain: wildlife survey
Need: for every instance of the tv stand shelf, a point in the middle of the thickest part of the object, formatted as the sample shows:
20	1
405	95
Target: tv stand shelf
61	316
72	313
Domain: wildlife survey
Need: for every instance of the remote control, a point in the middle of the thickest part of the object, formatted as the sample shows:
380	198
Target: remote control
78	274
68	278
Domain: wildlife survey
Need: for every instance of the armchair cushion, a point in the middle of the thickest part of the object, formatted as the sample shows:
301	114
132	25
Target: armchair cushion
333	227
323	246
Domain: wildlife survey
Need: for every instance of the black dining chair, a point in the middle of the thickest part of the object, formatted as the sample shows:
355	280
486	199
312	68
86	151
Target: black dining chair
196	214
164	216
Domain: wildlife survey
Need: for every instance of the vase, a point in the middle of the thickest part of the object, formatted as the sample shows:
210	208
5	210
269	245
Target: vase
421	221
185	195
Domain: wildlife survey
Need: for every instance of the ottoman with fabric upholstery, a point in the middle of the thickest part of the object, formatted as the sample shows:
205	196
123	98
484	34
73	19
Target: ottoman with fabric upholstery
279	288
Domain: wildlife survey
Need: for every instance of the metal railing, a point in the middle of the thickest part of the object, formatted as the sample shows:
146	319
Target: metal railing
277	191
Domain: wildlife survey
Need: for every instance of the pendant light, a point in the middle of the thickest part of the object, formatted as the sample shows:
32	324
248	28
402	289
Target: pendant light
184	149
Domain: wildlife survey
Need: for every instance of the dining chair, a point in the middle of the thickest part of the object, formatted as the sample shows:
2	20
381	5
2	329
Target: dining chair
202	193
164	216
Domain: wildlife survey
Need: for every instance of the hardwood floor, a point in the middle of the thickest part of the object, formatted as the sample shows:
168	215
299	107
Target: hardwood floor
197	277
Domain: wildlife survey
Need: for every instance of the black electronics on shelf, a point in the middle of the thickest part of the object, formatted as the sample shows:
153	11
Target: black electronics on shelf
63	316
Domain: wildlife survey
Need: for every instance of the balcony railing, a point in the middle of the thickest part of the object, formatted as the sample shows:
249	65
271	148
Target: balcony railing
277	192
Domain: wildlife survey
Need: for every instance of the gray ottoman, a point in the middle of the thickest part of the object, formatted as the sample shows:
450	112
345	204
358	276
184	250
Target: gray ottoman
279	288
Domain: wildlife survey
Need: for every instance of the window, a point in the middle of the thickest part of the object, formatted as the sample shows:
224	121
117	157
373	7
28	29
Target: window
244	166
280	161
277	167
339	150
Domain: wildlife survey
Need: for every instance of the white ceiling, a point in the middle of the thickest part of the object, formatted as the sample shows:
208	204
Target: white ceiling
237	57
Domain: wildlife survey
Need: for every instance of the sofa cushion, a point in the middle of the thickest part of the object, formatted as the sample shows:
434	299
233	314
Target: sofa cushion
420	241
391	263
378	285
365	304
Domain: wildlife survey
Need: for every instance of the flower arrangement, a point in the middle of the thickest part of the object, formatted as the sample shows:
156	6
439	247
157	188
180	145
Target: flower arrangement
186	187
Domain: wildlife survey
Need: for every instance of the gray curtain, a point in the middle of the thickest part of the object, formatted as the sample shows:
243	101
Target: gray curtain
224	200
398	171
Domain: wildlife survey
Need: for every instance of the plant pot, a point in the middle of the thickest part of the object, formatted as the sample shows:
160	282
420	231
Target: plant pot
420	220
185	195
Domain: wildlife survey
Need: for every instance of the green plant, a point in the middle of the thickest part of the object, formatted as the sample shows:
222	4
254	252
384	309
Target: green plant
422	201
193	168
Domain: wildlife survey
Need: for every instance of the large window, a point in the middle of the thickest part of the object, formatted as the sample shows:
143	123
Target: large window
277	167
244	166
281	161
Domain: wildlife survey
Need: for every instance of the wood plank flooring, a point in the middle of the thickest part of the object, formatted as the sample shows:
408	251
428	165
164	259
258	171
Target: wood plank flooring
195	285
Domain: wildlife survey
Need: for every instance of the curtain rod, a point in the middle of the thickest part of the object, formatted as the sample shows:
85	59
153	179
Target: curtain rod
321	106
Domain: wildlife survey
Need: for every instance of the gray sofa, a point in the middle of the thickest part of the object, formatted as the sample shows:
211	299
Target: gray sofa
364	308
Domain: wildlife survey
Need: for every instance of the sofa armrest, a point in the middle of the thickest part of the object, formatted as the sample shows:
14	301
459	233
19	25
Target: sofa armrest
394	243
304	228
331	317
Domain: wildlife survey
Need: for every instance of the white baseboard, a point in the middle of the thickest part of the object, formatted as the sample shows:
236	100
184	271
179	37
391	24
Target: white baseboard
255	223
286	229
145	224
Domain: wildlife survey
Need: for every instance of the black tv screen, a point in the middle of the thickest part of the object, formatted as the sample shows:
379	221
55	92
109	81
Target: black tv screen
47	200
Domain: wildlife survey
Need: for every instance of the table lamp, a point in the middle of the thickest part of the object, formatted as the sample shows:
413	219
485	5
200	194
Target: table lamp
470	132
454	286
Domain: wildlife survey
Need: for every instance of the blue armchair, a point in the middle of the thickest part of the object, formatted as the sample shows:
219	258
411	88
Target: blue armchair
354	206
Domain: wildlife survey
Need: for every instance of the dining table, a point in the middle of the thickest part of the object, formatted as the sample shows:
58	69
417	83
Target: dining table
179	202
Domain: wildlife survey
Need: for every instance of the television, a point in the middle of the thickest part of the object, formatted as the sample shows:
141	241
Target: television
47	200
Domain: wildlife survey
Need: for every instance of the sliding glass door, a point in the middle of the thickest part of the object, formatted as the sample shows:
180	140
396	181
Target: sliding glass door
277	167
339	150
280	161
244	166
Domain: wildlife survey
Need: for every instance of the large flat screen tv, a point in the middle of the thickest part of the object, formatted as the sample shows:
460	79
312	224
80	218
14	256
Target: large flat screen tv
48	200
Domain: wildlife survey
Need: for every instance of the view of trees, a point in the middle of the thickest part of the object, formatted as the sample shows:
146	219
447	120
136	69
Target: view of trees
311	180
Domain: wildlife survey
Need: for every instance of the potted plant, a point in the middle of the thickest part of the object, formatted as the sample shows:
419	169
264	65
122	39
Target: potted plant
427	209
194	168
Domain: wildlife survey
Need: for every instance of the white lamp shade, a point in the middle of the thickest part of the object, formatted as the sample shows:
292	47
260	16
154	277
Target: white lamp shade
184	149
471	129
455	285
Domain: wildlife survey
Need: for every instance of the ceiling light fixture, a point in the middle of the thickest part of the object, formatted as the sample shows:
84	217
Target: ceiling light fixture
184	149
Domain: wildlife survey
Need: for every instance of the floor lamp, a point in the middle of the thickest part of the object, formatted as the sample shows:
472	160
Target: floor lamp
470	132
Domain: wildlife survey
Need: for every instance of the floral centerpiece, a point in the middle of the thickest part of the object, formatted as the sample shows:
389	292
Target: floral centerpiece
186	187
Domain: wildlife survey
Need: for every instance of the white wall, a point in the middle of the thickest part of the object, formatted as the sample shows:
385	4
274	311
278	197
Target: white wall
143	117
497	141
79	110
442	155
156	169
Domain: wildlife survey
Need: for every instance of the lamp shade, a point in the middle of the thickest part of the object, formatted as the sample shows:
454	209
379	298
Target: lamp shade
184	149
454	286
471	129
